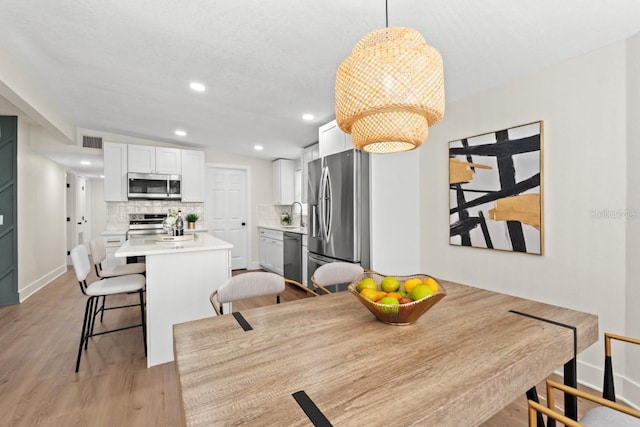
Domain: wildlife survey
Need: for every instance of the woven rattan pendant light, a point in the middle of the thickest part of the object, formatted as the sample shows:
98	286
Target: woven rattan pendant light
389	91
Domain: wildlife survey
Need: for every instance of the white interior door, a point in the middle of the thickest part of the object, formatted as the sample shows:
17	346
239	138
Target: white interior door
226	212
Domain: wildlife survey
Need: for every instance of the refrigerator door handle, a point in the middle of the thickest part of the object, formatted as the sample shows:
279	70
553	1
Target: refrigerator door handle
329	208
314	221
323	203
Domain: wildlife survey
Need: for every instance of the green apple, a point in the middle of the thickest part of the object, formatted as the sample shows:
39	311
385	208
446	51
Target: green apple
421	291
390	305
390	284
367	283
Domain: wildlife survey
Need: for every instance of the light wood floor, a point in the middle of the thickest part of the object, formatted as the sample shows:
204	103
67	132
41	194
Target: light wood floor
38	386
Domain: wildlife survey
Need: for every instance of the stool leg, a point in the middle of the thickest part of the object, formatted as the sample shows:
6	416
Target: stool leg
83	338
91	303
144	323
104	300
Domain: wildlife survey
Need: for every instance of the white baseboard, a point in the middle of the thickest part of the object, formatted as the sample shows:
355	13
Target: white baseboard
40	283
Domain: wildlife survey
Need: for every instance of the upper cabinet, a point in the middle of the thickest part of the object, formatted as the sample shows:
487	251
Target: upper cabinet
149	159
308	154
332	140
115	171
283	181
119	159
193	176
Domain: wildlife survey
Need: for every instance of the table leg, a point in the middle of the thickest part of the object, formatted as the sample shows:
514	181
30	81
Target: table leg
532	394
571	379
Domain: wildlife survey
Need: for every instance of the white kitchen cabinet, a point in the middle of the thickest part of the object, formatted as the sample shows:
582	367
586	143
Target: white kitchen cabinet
111	244
168	160
283	181
149	159
115	171
271	250
308	154
193	176
332	140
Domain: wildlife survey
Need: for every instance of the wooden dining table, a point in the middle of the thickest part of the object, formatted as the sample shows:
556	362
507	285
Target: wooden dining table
327	361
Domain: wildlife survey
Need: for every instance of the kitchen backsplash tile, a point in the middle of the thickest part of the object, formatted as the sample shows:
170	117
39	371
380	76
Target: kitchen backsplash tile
118	212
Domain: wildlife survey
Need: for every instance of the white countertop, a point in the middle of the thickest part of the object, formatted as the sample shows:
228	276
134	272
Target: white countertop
123	232
148	245
289	228
114	233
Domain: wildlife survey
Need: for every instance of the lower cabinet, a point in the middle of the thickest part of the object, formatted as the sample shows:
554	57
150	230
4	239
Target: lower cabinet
271	250
112	244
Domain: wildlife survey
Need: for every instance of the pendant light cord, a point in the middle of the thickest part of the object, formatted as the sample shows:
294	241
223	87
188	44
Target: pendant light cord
386	13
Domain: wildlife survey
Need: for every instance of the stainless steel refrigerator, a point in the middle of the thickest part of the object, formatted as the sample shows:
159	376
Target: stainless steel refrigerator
338	210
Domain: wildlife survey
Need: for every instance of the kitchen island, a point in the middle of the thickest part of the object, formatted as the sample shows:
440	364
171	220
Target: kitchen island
180	278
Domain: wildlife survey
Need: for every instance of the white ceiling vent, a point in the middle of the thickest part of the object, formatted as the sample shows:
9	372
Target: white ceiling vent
92	141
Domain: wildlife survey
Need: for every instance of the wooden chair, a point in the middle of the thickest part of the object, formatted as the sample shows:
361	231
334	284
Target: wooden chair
334	274
101	288
609	414
608	389
252	284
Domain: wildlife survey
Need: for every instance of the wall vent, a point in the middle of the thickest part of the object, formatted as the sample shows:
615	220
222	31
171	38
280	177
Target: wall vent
92	141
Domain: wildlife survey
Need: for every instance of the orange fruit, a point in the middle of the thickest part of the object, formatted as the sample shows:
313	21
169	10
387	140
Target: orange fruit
431	282
381	294
394	295
370	294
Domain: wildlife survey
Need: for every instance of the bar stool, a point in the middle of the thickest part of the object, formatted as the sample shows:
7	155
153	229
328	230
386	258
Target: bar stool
101	288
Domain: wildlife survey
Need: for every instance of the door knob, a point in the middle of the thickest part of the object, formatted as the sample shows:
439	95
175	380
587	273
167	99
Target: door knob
243	224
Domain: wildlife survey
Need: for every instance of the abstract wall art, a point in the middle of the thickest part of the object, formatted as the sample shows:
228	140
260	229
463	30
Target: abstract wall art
495	190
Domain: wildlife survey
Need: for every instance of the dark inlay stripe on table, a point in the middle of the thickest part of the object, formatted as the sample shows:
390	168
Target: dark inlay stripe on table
315	416
242	321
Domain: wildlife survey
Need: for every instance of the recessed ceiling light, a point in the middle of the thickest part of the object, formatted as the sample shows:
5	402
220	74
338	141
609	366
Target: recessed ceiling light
85	162
180	132
307	117
102	176
198	87
258	147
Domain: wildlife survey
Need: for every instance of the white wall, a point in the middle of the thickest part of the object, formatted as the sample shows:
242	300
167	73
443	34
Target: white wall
41	216
633	227
583	105
395	213
98	207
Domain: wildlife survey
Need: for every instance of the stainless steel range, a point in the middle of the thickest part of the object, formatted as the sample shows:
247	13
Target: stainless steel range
144	225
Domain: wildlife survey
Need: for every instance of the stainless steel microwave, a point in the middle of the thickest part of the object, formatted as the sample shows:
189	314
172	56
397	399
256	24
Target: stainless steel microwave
154	186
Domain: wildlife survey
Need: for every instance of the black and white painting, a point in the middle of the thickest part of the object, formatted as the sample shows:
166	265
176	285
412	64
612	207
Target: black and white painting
495	190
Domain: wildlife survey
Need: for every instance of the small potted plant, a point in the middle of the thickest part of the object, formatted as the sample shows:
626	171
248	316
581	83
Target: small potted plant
191	220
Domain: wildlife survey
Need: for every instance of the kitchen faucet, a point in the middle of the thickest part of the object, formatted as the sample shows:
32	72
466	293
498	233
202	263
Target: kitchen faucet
293	212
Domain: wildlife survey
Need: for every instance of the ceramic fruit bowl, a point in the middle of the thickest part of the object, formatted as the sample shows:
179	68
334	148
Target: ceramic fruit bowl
397	314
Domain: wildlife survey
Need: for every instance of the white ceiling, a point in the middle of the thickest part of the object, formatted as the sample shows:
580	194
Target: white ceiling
124	66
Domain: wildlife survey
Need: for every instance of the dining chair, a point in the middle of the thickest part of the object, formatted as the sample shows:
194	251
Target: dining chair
100	288
608	388
607	414
252	284
335	274
99	255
